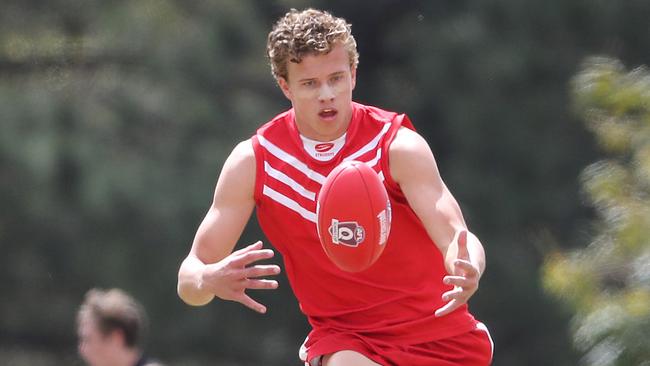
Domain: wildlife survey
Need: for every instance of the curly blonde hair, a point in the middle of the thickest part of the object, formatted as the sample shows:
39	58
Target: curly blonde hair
307	32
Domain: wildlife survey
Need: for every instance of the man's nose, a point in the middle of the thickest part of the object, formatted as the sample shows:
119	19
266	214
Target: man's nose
325	93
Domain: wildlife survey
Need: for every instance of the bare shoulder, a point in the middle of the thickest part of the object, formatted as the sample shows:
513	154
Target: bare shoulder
237	179
243	153
241	160
407	140
409	154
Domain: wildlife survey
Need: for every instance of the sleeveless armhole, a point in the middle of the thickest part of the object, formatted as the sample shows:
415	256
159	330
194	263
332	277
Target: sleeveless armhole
259	169
401	120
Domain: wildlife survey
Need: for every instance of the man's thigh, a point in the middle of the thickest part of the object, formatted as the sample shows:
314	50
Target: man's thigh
346	358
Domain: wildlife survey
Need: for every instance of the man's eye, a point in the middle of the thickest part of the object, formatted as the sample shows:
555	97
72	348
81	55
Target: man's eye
308	83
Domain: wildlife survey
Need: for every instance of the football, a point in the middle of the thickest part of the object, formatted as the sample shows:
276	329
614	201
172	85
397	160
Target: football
353	216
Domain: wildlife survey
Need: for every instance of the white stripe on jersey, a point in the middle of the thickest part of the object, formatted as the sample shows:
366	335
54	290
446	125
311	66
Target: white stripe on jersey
289	203
381	175
371	145
291	160
374	161
484	328
278	175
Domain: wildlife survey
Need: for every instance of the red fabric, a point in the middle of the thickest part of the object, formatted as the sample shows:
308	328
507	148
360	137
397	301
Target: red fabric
473	348
395	299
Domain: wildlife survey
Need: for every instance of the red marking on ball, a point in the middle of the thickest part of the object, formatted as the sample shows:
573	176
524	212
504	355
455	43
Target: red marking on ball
353	216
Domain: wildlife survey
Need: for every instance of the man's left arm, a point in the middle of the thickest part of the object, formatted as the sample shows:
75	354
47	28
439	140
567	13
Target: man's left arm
414	169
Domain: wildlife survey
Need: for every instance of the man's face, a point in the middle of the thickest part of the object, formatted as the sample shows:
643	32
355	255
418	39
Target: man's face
94	347
320	89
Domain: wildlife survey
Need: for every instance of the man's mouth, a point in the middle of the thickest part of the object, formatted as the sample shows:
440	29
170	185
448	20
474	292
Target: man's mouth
328	113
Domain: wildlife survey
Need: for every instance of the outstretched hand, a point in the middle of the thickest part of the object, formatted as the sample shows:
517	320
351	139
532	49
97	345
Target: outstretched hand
229	278
465	279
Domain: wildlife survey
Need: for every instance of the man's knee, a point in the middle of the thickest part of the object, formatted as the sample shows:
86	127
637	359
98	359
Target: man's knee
347	358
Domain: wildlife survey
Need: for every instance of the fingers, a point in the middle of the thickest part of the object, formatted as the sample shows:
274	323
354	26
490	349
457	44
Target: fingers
455	294
465	286
463	252
261	271
448	308
465	280
261	284
466	268
250	303
254	246
459	281
253	255
247	301
240	276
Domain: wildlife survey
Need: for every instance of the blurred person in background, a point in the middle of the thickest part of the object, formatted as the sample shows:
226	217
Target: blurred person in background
111	327
410	307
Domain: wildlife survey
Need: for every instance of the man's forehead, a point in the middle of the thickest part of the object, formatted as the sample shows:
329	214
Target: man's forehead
335	73
318	65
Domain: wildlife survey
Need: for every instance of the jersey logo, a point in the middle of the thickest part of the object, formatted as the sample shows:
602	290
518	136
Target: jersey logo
348	233
324	147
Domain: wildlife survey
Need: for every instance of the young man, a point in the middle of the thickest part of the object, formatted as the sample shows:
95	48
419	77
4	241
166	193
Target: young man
409	308
110	325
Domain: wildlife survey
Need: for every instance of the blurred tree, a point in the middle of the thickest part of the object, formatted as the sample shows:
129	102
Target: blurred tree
607	284
114	120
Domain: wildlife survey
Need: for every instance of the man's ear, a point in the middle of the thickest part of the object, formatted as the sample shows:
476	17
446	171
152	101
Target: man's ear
353	76
284	86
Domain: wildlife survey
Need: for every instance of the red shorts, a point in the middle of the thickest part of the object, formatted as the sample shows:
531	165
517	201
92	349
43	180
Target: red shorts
473	348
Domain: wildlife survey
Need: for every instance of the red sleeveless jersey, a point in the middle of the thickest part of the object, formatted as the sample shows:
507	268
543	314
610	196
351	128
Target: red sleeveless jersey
395	299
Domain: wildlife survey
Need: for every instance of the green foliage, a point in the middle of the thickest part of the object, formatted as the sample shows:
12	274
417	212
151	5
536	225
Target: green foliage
607	284
115	119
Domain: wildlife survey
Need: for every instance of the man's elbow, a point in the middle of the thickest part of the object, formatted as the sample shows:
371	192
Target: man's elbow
192	296
188	290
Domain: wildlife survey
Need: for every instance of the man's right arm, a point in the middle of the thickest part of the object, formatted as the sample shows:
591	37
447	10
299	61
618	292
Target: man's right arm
211	268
